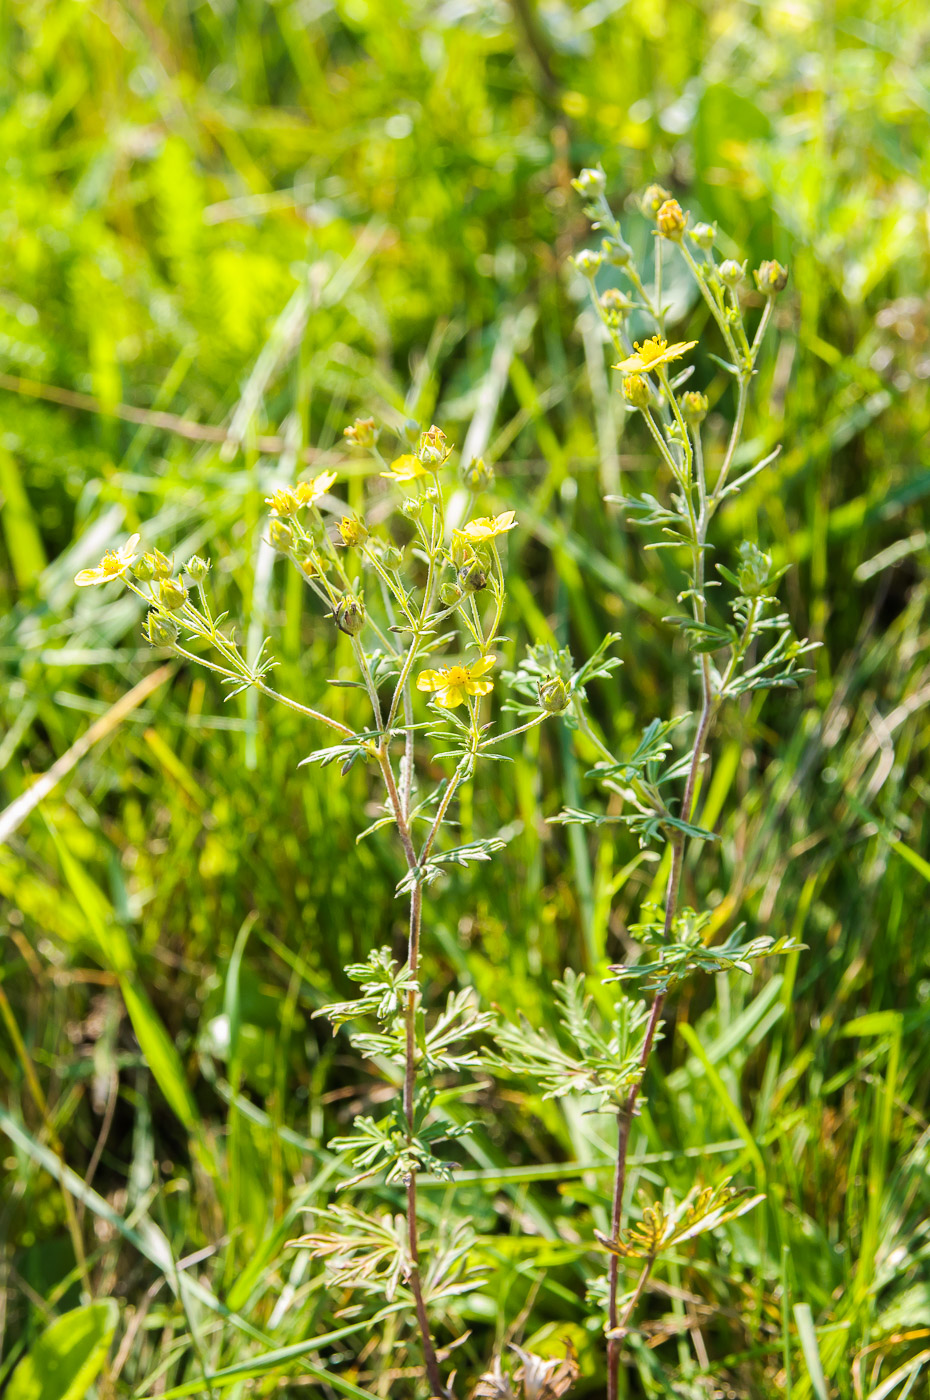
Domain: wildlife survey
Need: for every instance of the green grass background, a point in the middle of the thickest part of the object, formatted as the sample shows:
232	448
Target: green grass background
278	216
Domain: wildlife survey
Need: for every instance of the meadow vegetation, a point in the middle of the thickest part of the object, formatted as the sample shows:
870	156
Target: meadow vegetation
230	233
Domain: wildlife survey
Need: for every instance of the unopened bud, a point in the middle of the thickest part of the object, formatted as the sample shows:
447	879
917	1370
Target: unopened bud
694	407
352	530
771	277
161	564
671	220
161	630
281	536
615	306
450	593
478	475
653	199
197	568
588	262
144	569
731	272
754	571
472	578
172	594
704	235
590	183
412	506
636	390
553	694
616	251
350	615
392	557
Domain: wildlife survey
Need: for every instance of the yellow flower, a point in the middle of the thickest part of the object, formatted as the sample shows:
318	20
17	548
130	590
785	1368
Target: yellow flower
309	492
113	565
653	353
406	468
455	683
488	527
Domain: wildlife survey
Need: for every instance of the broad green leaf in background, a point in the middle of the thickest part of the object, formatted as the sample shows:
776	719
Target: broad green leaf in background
68	1356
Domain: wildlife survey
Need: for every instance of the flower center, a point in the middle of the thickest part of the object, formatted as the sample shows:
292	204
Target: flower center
111	564
652	350
455	675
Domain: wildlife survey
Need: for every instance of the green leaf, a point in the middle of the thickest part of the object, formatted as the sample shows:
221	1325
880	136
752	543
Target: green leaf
160	1053
68	1357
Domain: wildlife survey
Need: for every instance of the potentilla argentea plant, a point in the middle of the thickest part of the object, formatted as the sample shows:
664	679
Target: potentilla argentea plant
739	642
422	608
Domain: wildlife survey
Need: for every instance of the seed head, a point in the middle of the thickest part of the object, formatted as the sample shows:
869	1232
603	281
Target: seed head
361	433
478	475
172	594
352	530
732	272
694	407
636	390
160	629
771	278
553	695
350	615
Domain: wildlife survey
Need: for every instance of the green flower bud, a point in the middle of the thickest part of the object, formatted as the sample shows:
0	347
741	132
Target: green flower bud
161	564
732	272
553	695
704	235
197	568
771	278
616	251
653	199
694	407
671	220
588	262
754	571
412	506
590	183
392	557
172	594
472	578
477	476
350	615
636	390
144	569
281	536
352	530
160	629
450	593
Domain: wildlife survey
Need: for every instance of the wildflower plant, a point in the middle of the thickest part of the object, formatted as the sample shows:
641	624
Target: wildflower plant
421	606
740	644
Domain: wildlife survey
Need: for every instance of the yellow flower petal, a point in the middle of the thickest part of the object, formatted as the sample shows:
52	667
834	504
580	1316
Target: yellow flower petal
479	687
487	527
89	576
406	468
430	680
484	663
451	697
652	353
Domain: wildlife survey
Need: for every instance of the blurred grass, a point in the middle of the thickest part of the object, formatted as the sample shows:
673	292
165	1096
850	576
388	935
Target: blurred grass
273	217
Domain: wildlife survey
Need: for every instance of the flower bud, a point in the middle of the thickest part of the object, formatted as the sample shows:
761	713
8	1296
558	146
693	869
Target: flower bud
197	568
392	557
144	568
283	501
694	407
450	593
553	694
590	183
361	433
588	262
281	536
653	199
160	629
160	563
671	220
477	476
352	530
771	277
412	506
615	306
704	235
616	251
172	594
430	456
350	615
472	578
731	273
433	444
300	548
754	570
636	390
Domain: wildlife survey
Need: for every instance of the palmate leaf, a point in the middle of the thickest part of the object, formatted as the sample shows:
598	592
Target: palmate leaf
384	986
386	1146
440	861
654	744
604	1063
684	952
360	1251
667	1223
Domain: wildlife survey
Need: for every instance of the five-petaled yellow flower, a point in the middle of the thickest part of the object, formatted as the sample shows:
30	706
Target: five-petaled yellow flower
406	468
113	565
653	353
309	492
454	684
488	527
